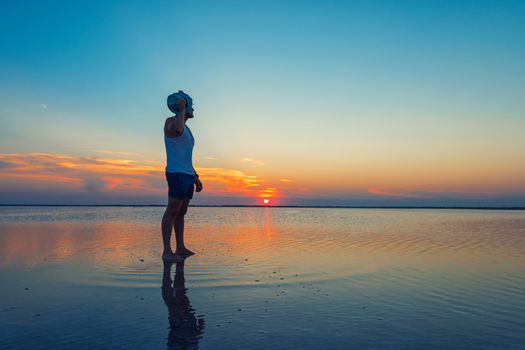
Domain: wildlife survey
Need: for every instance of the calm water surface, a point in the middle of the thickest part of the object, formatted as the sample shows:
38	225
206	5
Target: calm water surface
88	278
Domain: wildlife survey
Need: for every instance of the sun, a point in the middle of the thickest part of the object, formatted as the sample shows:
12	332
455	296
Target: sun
266	201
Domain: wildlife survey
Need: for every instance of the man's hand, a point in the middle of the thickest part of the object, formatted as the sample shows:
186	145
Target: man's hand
198	184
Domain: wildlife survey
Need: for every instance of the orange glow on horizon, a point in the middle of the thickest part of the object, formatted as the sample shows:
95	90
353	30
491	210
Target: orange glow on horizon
48	173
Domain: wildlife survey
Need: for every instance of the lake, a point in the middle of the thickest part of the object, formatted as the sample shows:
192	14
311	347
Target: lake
279	278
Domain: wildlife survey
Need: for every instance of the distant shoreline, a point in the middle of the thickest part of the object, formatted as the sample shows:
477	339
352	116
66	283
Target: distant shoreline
262	206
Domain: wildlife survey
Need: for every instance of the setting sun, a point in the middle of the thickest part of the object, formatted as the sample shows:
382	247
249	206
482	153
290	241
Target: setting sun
266	201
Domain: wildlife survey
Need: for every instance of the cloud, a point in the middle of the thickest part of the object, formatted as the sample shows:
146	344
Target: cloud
110	176
268	192
424	193
222	180
398	192
252	161
86	174
118	153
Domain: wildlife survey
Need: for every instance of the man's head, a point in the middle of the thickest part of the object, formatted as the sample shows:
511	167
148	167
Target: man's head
181	95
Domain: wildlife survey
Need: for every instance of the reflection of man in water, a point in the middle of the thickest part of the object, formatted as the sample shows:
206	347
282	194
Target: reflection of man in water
185	328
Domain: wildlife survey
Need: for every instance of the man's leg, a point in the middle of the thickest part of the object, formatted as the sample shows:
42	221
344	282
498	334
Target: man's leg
173	208
178	225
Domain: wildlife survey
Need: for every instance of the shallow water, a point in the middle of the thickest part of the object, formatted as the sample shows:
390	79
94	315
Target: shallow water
280	278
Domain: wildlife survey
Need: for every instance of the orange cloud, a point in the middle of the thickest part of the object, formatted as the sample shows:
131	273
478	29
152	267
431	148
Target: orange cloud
112	176
268	192
223	181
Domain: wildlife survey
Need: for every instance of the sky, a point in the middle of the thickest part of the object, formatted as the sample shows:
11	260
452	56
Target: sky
359	103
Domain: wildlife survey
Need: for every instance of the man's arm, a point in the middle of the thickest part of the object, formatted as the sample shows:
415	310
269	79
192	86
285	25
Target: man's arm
174	126
197	181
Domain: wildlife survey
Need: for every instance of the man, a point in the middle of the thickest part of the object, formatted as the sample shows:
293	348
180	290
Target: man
180	174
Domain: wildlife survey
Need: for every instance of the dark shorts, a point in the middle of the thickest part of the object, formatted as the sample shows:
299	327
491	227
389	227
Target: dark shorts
180	186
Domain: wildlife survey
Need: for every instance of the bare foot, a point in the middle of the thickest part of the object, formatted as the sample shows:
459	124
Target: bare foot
184	252
171	257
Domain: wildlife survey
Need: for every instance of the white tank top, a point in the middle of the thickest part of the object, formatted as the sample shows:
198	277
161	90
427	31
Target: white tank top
179	152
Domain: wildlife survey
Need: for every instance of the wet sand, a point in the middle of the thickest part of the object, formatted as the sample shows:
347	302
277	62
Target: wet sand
278	278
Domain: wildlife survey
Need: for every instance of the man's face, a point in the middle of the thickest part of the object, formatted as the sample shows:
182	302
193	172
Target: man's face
189	114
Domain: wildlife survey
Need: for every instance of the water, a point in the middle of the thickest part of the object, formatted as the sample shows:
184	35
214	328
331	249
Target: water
279	278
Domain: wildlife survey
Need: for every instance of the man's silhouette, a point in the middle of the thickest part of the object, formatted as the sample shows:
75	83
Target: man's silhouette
180	174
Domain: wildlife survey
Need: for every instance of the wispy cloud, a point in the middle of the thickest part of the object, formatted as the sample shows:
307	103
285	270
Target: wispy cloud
117	153
252	161
424	193
223	181
268	192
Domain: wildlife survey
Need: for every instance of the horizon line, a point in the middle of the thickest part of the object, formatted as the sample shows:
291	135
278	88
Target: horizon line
271	206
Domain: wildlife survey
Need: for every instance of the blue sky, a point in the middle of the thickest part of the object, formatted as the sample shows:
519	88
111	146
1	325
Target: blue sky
317	91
